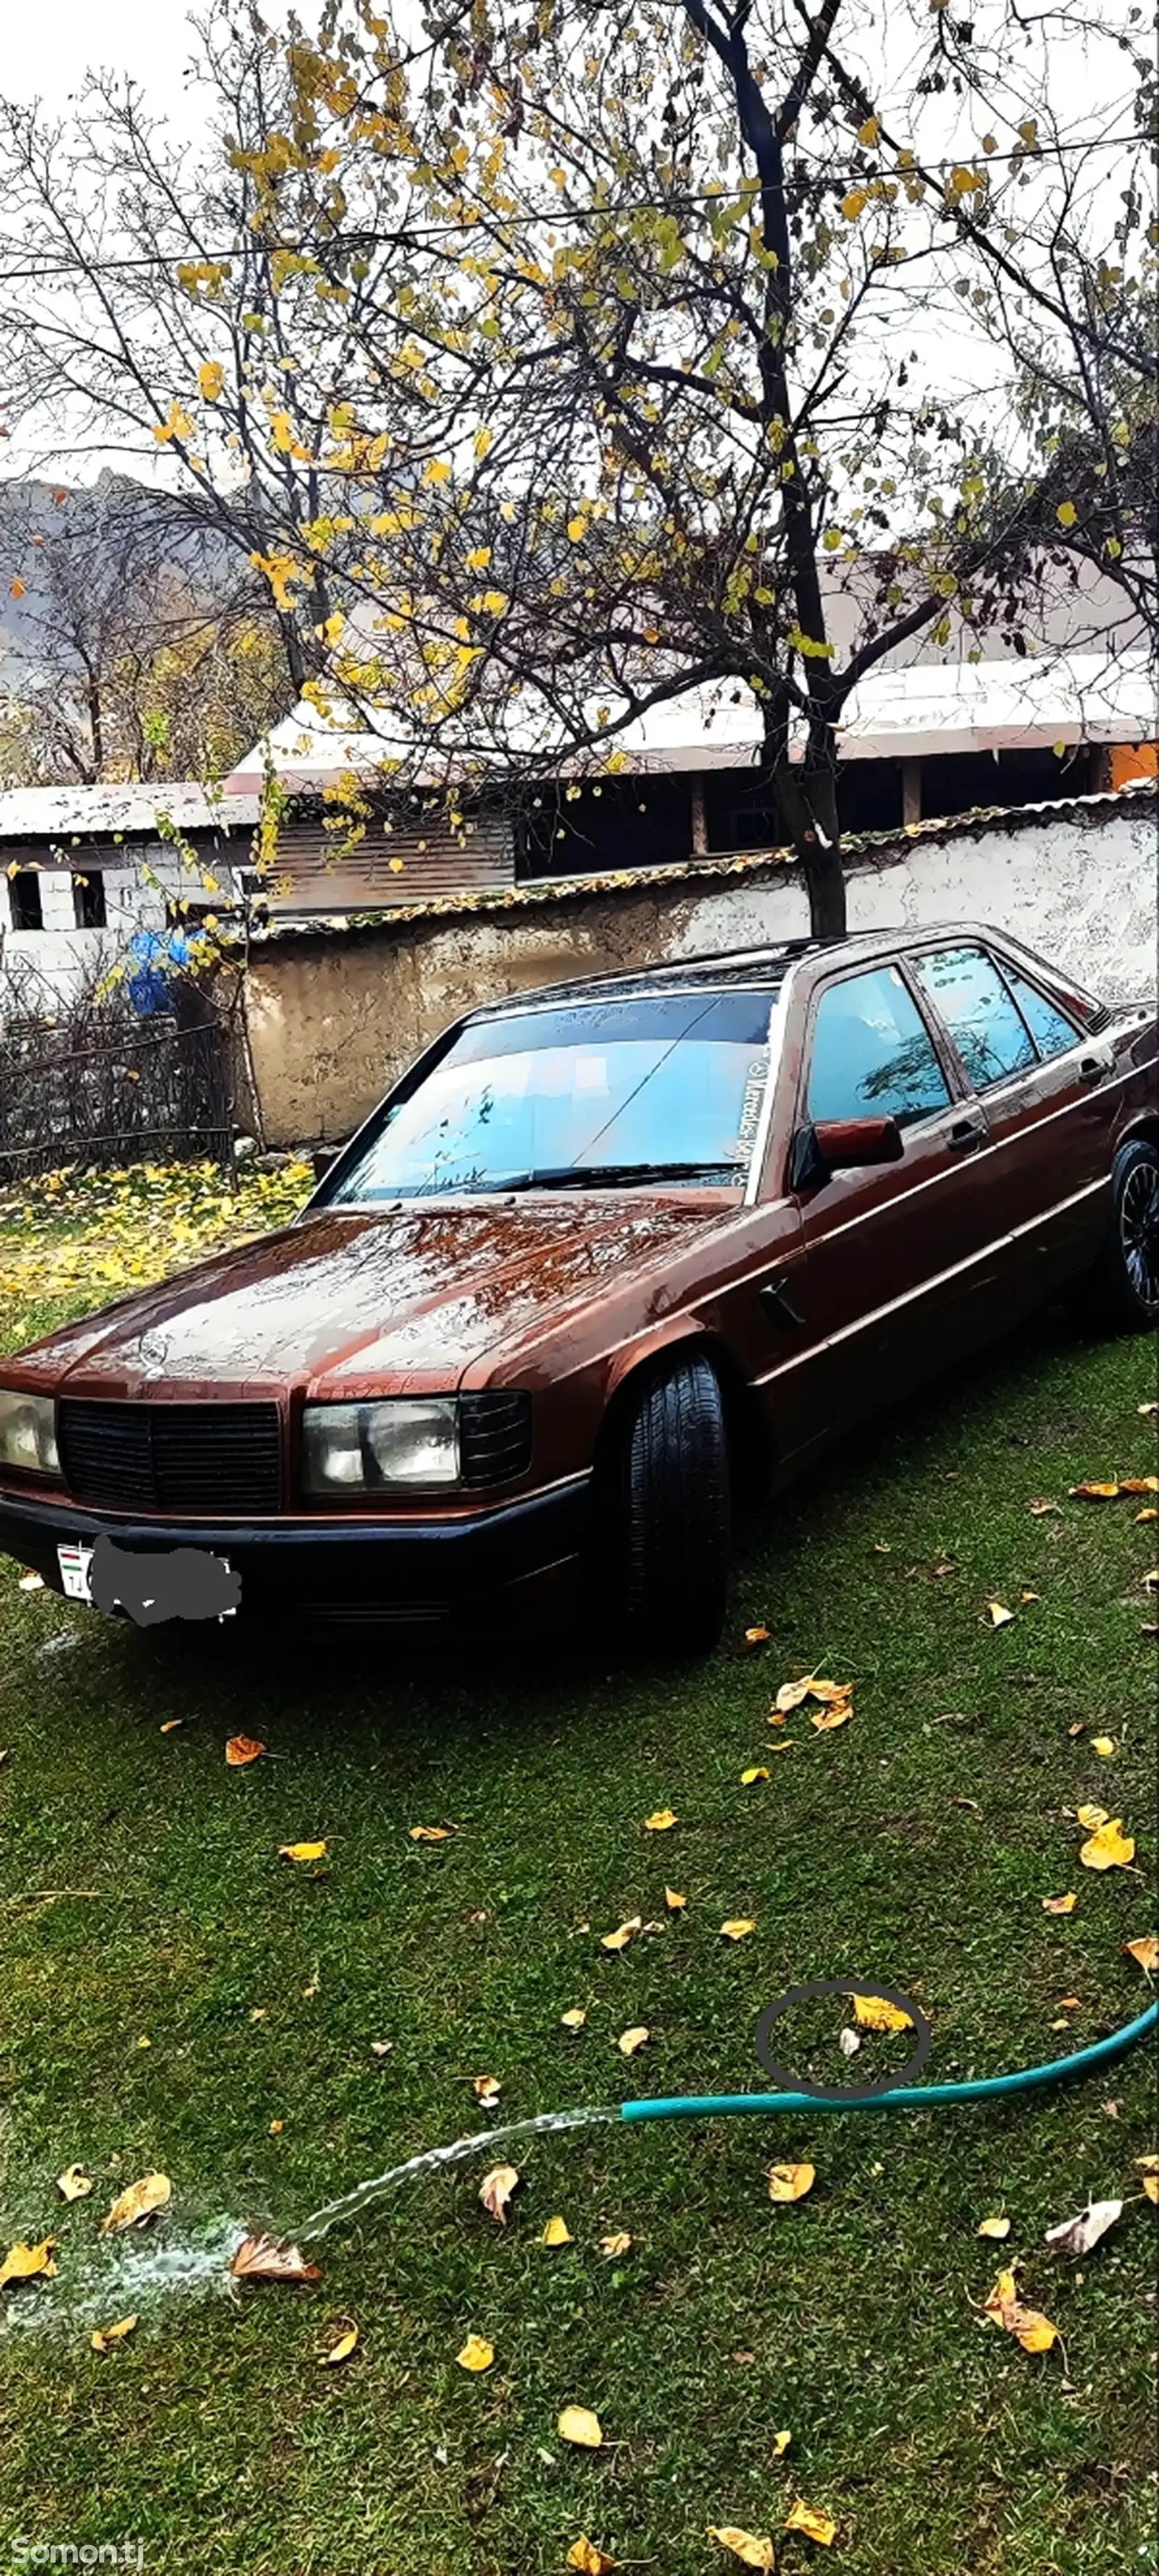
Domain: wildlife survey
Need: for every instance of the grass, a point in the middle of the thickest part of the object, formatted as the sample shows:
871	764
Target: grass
915	1844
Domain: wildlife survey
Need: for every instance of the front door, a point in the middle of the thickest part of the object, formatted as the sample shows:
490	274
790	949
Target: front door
904	1265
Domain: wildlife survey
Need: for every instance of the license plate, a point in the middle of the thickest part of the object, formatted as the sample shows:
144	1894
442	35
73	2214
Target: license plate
75	1562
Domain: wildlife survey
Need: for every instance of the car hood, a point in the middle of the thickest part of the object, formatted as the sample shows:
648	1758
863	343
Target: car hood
415	1297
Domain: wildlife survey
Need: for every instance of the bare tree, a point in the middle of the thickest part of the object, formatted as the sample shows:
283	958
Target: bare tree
132	654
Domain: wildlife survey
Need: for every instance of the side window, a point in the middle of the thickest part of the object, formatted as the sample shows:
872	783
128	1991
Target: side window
1051	1032
872	1054
986	1028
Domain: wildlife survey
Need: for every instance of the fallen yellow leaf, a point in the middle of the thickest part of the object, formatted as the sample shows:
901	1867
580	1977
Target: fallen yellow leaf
487	2089
170	1725
74	2183
495	2190
1151	2186
815	2525
590	2561
1038	1509
1093	1493
105	2335
1034	2332
142	2200
737	1928
276	2127
1109	1848
241	1749
781	2443
1150	1514
271	2258
752	1639
430	1833
28	2263
617	2243
660	1821
751	2547
301	1851
1060	1904
477	2353
577	2424
756	1771
630	2040
1092	1816
999	1614
998	2227
1103	1745
791	2182
619	1939
674	1901
835	1714
575	2019
557	2232
874	2012
341	2350
1146	1951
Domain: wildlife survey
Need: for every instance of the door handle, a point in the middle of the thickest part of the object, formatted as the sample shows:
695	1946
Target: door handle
967	1136
774	1297
1093	1068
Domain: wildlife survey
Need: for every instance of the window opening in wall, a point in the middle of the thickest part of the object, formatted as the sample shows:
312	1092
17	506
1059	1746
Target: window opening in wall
88	900
27	907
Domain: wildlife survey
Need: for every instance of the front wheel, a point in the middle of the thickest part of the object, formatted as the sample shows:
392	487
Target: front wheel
673	1523
1121	1293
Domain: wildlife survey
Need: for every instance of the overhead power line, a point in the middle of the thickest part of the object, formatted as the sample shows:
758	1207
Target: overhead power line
407	235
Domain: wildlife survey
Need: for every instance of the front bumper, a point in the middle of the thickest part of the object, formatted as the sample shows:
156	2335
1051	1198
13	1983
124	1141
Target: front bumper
399	1569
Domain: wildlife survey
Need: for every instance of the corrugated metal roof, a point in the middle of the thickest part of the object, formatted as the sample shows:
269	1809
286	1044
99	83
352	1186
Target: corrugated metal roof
39	813
1141	796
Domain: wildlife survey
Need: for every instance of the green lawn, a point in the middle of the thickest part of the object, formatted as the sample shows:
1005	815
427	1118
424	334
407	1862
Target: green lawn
144	1898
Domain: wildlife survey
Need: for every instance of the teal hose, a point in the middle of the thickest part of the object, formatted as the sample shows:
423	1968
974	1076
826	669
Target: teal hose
907	2097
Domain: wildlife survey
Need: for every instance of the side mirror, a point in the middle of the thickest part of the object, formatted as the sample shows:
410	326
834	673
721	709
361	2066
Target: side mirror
842	1145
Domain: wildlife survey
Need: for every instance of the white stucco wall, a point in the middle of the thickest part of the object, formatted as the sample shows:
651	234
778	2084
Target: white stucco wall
1083	892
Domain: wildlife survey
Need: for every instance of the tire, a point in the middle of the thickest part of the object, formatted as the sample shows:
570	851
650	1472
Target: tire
673	1536
1121	1293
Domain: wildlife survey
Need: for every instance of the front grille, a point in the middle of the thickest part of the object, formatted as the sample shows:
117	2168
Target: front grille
172	1457
494	1435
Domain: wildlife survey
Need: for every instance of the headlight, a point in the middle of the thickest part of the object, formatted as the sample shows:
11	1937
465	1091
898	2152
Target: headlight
28	1434
410	1440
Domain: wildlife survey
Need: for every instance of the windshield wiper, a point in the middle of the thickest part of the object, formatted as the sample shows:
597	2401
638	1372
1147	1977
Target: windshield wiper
579	1176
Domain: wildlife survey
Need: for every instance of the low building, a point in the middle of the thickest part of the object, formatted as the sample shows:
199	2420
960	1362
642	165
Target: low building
82	869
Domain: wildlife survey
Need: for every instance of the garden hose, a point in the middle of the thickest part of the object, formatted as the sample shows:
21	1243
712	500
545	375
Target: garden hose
903	2097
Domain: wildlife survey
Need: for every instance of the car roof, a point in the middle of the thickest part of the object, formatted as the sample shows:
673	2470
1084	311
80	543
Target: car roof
720	969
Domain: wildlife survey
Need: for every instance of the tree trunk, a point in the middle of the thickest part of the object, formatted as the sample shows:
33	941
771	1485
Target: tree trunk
806	797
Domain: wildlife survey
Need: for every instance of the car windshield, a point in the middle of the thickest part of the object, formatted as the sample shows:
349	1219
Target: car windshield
661	1087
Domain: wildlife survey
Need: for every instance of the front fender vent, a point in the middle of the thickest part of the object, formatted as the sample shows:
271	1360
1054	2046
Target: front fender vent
494	1435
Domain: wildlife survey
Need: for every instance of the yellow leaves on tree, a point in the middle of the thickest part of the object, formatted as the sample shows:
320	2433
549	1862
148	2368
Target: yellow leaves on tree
177	424
210	380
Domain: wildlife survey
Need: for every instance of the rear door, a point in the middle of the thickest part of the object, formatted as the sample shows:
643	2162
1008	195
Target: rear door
904	1263
1045	1089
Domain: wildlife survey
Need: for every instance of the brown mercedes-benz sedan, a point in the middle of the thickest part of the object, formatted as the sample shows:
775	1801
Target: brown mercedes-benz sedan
610	1257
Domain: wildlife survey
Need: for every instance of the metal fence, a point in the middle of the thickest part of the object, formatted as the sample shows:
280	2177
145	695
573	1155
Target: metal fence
116	1090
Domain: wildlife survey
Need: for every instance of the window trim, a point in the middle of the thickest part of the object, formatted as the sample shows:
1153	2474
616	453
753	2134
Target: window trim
1007	969
946	1059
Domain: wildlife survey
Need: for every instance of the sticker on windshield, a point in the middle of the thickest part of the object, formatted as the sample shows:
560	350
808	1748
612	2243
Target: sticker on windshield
750	1108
